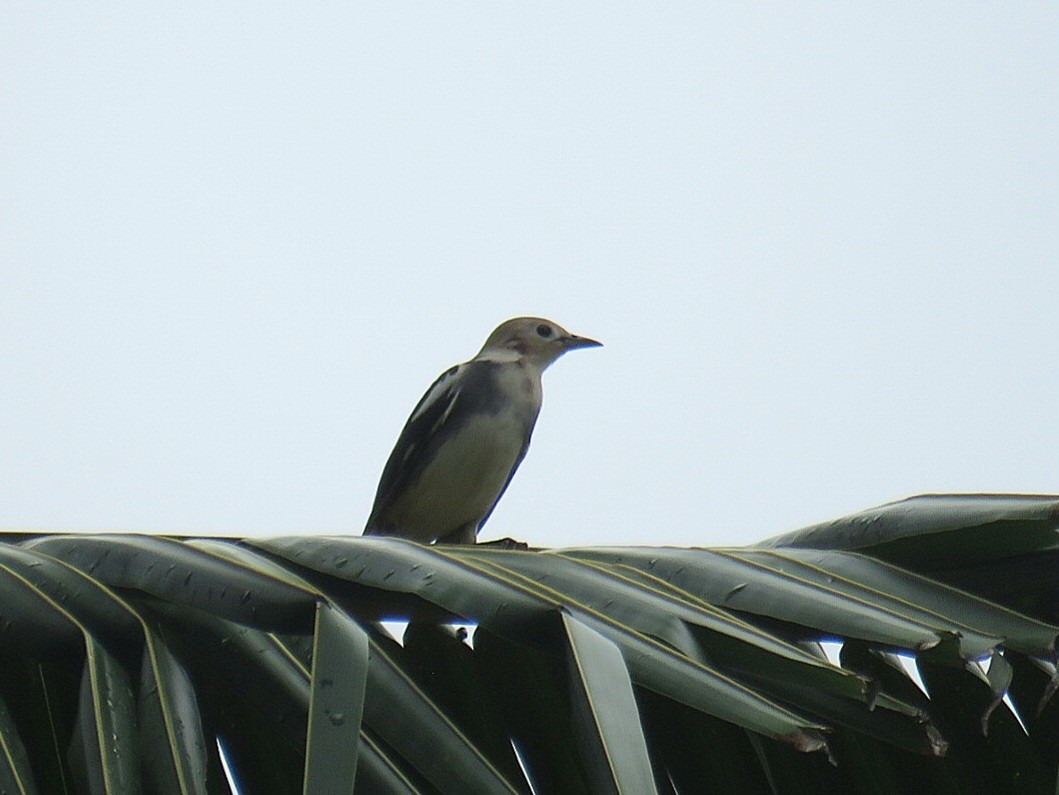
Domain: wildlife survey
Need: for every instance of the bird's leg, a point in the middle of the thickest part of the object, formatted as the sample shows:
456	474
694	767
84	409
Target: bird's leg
465	534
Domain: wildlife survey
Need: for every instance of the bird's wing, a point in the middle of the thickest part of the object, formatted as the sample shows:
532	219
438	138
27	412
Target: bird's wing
417	444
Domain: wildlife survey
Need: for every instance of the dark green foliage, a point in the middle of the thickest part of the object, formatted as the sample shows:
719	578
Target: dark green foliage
124	659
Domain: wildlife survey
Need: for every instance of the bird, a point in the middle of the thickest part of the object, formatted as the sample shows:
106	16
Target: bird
467	436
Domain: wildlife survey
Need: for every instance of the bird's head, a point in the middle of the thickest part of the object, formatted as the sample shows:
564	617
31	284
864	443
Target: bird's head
533	339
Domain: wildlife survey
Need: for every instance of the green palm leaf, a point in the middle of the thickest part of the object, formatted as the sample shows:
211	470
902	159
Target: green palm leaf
166	665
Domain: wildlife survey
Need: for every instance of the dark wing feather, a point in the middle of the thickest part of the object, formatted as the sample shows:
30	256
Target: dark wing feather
415	446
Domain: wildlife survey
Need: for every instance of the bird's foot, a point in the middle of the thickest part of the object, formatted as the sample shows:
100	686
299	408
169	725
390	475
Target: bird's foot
504	543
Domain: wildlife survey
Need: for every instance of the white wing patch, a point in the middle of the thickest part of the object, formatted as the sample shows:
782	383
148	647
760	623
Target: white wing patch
455	394
445	388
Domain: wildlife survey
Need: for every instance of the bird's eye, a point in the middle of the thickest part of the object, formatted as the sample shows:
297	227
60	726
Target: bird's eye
544	330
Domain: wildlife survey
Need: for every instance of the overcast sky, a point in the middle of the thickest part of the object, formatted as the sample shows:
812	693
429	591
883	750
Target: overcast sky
819	241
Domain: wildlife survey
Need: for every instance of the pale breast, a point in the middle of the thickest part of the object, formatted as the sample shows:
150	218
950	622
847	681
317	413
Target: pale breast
461	483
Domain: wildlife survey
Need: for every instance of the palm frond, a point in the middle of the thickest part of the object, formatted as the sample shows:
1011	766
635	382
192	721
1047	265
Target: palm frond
907	648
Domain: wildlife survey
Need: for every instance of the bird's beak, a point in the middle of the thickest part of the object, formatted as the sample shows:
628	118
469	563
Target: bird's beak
572	341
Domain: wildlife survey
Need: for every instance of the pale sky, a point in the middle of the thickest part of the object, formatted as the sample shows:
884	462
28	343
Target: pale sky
819	241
